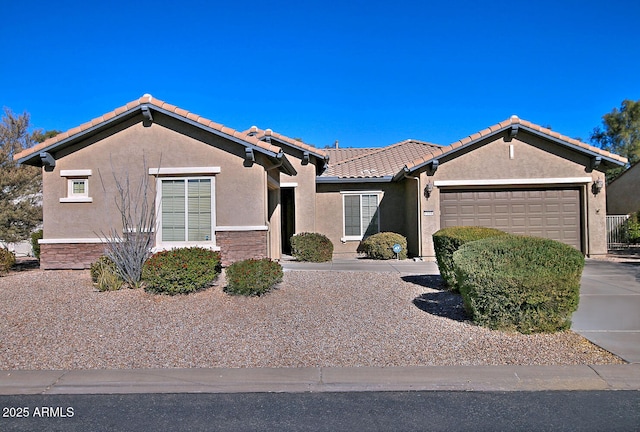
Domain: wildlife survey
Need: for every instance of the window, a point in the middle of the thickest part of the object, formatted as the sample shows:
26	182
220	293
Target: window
77	185
360	215
186	210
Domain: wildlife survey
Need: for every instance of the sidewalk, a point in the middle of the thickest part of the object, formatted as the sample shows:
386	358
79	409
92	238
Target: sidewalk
326	379
405	267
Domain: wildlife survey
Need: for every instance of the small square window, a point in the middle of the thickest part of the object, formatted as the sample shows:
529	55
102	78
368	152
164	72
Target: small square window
77	186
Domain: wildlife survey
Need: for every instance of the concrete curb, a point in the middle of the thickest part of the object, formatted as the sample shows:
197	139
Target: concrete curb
323	379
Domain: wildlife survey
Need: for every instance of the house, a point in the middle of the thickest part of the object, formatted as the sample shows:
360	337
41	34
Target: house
623	194
245	193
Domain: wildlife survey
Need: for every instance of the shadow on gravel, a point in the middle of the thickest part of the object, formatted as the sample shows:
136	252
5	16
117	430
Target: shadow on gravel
442	303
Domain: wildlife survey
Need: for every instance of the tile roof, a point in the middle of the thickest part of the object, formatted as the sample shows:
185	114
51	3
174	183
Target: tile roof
375	162
513	120
146	100
260	134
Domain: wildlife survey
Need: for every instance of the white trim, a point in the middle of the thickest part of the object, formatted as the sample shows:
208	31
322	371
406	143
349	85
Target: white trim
75	173
509	182
243	228
177	245
167	245
76	199
185	171
362	192
289	185
71	240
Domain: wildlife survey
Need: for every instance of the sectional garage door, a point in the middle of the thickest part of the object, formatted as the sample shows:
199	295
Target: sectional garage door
551	213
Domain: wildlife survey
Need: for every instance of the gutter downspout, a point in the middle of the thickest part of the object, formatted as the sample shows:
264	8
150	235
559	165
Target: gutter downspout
407	176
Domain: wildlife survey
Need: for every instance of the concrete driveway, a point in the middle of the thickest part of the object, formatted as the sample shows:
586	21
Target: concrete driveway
609	310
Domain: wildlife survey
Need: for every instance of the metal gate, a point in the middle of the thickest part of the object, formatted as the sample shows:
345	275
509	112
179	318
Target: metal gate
615	231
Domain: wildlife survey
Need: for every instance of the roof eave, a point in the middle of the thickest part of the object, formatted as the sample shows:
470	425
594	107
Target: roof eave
337	180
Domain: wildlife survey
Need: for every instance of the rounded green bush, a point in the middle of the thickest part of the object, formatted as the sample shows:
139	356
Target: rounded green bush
252	277
521	283
181	271
7	260
380	246
312	247
104	275
448	240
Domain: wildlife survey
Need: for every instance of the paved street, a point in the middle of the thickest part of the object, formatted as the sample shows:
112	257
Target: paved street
384	411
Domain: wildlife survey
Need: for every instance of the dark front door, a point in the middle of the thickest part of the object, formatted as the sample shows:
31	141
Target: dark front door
287	201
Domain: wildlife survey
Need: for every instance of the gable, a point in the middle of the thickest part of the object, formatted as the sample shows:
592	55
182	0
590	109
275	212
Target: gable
146	111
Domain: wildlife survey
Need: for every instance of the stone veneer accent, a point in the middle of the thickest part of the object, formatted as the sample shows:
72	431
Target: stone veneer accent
240	245
76	256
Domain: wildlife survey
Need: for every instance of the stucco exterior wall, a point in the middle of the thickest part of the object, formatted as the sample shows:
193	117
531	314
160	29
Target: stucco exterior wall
304	193
240	191
533	159
329	206
623	194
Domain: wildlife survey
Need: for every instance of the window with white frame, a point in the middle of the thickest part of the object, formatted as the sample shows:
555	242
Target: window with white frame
360	214
77	185
186	213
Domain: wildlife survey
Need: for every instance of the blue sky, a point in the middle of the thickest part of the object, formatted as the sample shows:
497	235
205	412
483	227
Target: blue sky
366	73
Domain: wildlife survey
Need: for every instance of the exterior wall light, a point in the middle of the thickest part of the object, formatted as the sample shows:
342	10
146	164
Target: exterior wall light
428	189
597	186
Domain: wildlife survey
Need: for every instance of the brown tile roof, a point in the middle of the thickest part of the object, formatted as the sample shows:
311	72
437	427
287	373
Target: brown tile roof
258	133
513	120
147	100
376	162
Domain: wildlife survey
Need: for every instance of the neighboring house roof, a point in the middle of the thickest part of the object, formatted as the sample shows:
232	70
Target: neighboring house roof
266	135
513	124
379	164
146	104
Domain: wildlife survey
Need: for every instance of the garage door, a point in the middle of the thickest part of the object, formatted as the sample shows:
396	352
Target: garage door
550	213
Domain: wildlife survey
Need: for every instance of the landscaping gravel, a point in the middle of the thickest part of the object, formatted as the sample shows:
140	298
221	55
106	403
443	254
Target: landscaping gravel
57	320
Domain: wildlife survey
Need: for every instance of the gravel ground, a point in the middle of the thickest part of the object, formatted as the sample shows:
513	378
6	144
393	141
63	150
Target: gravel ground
57	320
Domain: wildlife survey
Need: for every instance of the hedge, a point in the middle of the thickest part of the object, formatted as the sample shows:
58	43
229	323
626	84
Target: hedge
181	271
527	284
380	246
448	240
313	247
252	277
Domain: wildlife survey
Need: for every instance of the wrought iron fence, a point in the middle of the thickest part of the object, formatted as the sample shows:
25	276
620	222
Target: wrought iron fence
616	235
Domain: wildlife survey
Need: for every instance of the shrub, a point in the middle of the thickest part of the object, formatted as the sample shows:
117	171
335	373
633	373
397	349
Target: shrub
181	271
35	246
312	247
448	240
104	275
7	260
631	228
380	246
519	283
252	277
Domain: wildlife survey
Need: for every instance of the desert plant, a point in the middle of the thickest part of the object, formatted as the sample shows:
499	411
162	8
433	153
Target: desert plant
448	240
35	245
252	277
104	275
380	246
7	260
130	246
521	283
181	271
313	247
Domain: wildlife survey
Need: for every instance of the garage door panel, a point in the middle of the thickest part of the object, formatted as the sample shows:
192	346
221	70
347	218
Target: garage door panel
551	213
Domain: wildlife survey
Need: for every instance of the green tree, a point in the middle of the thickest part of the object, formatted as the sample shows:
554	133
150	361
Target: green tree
20	186
620	133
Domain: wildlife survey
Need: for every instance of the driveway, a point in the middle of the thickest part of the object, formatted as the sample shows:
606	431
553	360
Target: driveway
609	310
